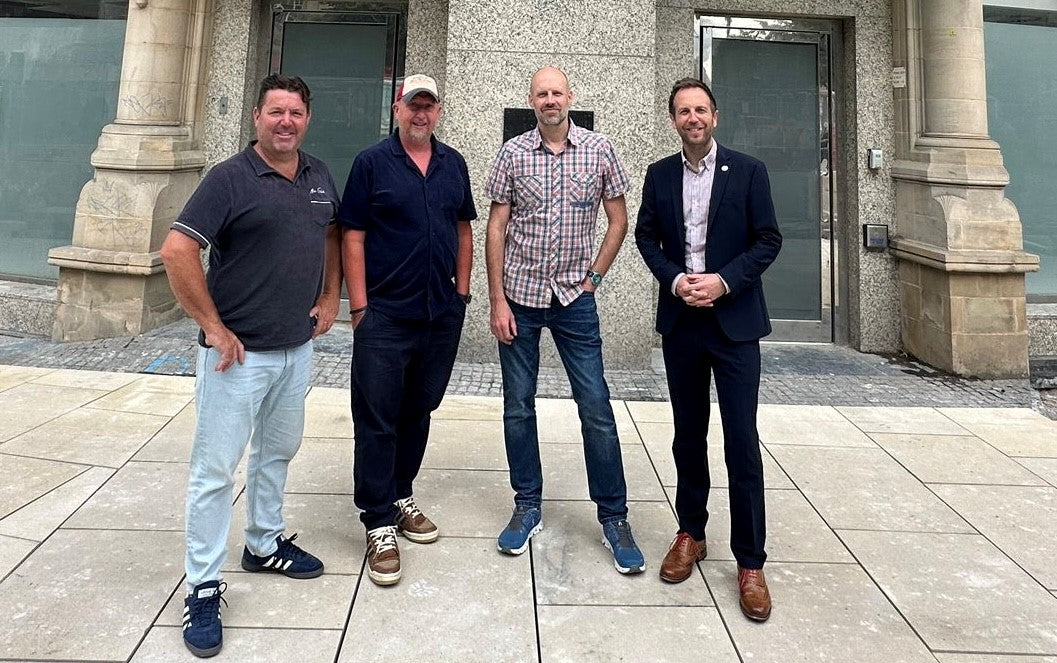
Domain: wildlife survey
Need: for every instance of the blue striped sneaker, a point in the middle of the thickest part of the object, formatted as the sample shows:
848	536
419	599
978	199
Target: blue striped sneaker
202	630
627	557
288	559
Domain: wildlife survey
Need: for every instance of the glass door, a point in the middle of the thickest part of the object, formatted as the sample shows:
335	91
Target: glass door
771	79
352	62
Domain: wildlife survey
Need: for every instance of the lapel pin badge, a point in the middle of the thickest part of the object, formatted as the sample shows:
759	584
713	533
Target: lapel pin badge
724	168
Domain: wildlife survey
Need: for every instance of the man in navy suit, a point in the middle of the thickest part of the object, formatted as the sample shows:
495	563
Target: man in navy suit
707	231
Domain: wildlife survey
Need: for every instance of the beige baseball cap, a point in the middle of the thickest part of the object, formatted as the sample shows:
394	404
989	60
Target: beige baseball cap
416	83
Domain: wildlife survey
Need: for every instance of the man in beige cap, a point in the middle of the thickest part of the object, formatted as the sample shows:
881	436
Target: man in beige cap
408	249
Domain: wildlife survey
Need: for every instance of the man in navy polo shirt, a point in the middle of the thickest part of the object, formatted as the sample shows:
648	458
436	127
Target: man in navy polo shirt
407	250
267	217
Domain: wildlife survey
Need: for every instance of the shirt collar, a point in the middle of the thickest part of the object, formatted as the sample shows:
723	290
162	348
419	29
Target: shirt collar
709	161
260	168
398	148
574	137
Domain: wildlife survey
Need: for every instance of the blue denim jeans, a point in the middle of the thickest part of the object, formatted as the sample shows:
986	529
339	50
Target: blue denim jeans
261	401
575	331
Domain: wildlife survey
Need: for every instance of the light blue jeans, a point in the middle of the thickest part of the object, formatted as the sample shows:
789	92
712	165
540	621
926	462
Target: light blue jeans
261	401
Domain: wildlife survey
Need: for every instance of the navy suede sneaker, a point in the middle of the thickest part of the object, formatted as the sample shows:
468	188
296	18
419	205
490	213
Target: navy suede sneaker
288	559
627	557
202	630
524	523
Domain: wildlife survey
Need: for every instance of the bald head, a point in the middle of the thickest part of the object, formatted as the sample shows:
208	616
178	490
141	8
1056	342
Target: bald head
548	76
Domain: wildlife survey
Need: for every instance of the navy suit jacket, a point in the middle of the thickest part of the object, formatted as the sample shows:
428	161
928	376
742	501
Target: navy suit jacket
741	242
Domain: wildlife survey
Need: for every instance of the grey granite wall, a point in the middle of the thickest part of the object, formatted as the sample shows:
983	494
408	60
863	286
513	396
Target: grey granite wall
232	78
607	49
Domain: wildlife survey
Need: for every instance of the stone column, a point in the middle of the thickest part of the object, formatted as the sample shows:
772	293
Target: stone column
147	163
607	50
957	237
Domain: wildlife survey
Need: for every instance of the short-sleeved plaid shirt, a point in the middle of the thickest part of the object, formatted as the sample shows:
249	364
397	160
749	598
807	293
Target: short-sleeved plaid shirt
554	201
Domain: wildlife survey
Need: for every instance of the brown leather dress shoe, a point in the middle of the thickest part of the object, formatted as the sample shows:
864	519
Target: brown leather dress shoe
755	598
684	552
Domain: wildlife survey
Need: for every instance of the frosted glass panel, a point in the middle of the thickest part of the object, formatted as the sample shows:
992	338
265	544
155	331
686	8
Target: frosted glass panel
768	107
1021	116
344	65
58	87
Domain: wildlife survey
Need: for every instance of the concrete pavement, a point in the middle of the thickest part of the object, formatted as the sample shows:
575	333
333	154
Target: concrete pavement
897	533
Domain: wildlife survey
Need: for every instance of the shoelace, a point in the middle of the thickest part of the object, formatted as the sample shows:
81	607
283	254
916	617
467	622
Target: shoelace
382	539
748	576
289	550
208	608
624	538
408	506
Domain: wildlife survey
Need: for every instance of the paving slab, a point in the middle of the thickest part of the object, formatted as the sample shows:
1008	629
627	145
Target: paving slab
1044	468
38	519
150	395
327	526
1026	532
88	436
148	496
595	634
12	376
56	600
470	408
466	503
954	459
968	416
468	602
26	479
565	475
105	380
940	582
327	414
270	600
920	420
805	431
455	445
322	465
1034	438
795	532
992	658
37	404
660	411
865	489
821	612
657	437
164	644
174	441
572	567
12	552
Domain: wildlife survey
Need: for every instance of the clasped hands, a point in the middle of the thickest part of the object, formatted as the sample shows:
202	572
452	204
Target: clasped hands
700	289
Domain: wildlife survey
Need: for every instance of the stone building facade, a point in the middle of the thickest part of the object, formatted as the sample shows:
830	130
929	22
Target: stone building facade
872	116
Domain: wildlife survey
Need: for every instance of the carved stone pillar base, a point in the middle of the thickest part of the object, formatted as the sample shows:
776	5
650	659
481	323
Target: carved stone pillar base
111	279
967	323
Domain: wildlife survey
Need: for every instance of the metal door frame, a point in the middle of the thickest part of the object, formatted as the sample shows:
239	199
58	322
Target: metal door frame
393	16
826	36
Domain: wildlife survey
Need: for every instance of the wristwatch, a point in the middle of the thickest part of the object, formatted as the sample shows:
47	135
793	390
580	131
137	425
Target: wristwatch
596	278
465	298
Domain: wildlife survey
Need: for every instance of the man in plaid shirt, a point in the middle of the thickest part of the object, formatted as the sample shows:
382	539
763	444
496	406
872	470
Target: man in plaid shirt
546	186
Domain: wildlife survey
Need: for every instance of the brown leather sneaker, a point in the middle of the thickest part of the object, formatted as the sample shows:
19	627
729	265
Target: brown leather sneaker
383	557
684	552
755	598
414	524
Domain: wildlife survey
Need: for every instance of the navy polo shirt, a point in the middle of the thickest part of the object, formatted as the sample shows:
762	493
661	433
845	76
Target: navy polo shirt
266	239
410	225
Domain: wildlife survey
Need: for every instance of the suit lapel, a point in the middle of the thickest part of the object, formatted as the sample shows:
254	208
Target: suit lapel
675	181
719	184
